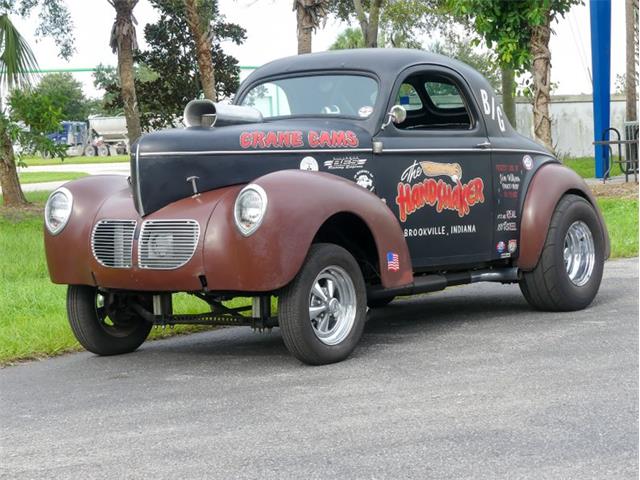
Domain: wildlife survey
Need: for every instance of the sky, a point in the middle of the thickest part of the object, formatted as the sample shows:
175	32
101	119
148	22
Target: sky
271	34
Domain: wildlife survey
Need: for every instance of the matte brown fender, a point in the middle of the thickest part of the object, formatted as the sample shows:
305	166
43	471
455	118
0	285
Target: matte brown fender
69	255
68	252
299	203
549	184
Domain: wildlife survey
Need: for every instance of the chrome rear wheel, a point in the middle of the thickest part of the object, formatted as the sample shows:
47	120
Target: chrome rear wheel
579	253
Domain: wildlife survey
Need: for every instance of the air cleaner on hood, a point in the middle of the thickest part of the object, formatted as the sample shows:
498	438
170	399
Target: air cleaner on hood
206	114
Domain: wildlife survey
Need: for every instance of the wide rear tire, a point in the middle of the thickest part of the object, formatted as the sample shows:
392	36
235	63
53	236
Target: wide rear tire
569	271
100	328
322	312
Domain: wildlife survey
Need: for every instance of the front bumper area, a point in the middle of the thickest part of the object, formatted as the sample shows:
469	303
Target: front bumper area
112	247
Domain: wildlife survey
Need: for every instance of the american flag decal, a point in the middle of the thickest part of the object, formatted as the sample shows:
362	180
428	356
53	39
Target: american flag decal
393	262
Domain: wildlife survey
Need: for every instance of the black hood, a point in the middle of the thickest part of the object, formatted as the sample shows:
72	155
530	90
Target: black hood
162	161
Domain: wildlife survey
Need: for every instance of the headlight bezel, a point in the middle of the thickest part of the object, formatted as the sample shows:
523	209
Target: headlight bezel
246	232
47	210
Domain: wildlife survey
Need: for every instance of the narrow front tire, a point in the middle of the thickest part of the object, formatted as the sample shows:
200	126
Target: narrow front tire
322	311
103	323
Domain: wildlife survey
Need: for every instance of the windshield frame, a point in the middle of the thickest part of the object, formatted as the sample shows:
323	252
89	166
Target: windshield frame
245	89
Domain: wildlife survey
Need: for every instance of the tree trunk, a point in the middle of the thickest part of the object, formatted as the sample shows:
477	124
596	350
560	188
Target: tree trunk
304	40
631	10
541	70
371	37
304	29
126	41
200	34
508	87
368	25
11	191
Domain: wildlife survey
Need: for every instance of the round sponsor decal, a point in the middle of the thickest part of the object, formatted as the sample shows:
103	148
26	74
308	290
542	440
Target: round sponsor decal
527	162
364	178
309	163
500	247
365	111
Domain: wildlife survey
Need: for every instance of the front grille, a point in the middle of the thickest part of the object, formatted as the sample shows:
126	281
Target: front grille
112	242
167	244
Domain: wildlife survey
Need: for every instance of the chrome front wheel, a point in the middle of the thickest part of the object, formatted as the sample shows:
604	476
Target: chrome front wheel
332	305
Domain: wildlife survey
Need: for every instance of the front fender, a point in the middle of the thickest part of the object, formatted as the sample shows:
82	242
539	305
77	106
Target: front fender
69	251
299	202
549	184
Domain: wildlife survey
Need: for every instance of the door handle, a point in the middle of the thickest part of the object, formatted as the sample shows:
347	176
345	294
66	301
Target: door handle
484	145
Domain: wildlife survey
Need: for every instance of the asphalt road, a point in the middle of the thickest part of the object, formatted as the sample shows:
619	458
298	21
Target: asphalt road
468	383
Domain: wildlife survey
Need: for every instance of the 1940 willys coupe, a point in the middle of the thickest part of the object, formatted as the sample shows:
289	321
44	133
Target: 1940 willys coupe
335	181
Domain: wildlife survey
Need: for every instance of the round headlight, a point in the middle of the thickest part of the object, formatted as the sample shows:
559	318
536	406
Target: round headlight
58	210
248	212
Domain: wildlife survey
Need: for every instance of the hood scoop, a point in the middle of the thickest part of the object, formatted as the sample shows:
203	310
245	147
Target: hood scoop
206	114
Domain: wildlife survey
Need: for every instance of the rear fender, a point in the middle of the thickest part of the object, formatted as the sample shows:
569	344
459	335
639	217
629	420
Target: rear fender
299	203
547	187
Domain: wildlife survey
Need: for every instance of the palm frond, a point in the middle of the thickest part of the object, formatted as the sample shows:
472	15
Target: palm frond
17	62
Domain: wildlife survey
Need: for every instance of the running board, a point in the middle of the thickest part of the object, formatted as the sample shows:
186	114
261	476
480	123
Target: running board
437	282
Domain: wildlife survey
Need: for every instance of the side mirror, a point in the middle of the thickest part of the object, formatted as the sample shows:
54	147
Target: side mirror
397	115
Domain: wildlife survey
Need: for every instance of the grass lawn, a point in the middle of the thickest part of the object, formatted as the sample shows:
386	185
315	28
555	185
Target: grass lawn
33	319
39	161
586	167
39	177
621	217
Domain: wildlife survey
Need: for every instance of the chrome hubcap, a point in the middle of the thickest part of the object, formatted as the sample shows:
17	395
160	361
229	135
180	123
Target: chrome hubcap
579	253
332	305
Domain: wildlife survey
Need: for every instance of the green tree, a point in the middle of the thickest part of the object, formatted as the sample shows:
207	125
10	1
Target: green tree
519	31
17	61
395	22
465	50
349	38
167	76
66	94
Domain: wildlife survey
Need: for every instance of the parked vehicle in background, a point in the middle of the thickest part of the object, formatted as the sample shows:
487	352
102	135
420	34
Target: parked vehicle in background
103	136
74	135
112	132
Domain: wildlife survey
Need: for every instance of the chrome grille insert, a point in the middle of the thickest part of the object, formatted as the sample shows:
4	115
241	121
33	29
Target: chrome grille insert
112	242
167	244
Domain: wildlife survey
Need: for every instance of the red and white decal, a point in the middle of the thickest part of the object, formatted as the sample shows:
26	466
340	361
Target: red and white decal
459	197
333	139
295	139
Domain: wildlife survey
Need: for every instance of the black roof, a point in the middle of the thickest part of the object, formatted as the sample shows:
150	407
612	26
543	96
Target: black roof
383	61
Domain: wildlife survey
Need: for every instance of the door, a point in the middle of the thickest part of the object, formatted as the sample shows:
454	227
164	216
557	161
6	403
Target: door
435	170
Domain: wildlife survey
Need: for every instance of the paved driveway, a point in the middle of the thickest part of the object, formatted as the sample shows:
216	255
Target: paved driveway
469	383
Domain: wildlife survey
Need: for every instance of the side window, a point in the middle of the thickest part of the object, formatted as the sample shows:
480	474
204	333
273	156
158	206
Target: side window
408	97
444	95
435	103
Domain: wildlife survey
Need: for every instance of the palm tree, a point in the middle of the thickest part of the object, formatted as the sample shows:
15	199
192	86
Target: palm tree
123	42
198	15
17	61
309	15
349	38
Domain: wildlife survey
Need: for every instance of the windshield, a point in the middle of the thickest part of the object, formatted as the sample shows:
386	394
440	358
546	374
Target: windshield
337	95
